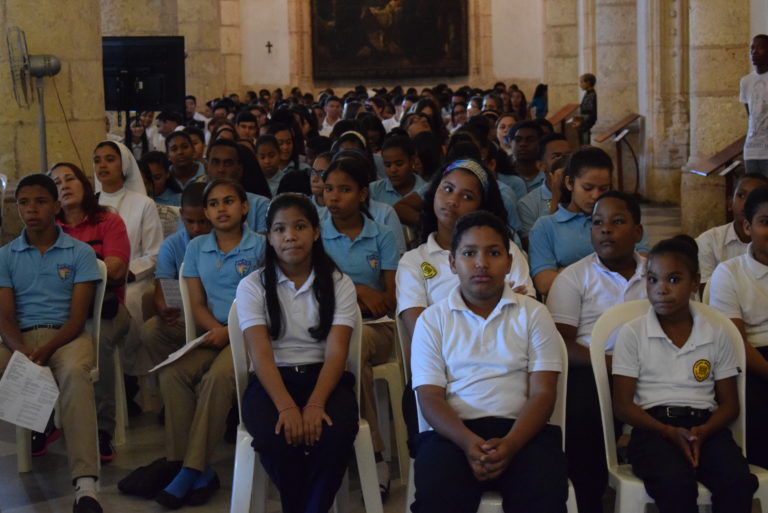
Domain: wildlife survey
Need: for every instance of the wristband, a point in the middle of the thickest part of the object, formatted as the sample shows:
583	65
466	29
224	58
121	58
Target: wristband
287	408
313	405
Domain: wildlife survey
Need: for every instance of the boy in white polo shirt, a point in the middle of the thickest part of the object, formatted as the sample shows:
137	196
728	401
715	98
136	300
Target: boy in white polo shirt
739	289
613	274
485	364
674	381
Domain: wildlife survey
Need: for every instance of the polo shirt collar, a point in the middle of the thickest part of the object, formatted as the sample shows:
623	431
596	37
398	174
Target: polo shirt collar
62	241
730	235
248	241
639	267
283	279
544	191
200	173
757	269
456	301
701	334
536	180
432	245
563	215
329	231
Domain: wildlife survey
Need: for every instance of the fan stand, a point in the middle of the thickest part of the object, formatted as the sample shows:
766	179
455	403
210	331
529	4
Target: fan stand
41	132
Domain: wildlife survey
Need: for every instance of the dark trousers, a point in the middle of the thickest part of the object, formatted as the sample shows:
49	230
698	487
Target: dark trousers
535	481
411	417
307	477
757	417
672	482
584	444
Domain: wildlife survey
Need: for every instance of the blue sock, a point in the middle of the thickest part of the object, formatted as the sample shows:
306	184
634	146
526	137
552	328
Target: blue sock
203	479
182	483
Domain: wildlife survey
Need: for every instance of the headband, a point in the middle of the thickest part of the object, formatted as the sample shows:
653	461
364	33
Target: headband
473	167
356	134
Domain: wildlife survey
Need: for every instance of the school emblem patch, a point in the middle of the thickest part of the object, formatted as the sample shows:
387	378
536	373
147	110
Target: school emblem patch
701	370
64	271
373	261
428	271
243	266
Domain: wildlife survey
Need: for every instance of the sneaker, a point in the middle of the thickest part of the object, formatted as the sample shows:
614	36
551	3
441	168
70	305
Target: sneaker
86	504
106	451
382	470
40	441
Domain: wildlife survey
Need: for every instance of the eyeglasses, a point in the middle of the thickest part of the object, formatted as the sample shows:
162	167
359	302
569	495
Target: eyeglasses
316	172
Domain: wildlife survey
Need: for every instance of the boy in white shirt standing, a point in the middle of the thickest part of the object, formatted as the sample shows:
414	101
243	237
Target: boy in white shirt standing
753	93
485	365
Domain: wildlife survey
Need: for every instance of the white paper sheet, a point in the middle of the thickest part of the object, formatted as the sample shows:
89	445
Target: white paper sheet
28	393
172	292
180	352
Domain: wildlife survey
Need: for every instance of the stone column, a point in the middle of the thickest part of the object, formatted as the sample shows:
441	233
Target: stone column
199	21
561	56
230	45
719	43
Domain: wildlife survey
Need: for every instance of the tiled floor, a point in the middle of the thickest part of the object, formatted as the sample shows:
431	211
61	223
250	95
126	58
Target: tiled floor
47	489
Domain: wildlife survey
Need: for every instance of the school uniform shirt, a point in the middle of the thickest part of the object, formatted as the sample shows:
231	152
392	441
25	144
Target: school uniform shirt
424	275
198	176
274	182
383	190
390	123
753	90
171	255
257	212
562	238
584	290
532	206
42	283
300	312
515	182
373	250
717	245
168	198
483	364
509	198
739	289
672	376
382	214
220	272
327	128
535	182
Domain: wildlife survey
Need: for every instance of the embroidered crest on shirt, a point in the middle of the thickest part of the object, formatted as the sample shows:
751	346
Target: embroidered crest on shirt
243	266
373	260
64	271
428	271
701	369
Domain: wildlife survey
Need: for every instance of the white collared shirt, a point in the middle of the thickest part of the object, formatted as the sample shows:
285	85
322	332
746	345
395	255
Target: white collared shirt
300	312
739	289
424	275
717	245
672	376
483	364
587	288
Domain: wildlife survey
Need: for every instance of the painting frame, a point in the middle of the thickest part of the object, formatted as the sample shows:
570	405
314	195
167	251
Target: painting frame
384	39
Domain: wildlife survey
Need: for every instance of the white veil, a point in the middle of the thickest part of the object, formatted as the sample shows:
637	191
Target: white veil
131	171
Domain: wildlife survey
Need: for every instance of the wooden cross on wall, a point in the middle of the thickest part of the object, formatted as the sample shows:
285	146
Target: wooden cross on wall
269	46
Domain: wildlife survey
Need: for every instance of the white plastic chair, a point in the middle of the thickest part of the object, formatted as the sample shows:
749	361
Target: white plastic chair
491	501
630	490
189	319
250	480
705	294
23	435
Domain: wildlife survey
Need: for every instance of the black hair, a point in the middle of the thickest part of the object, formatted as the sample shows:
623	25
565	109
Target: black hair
590	79
540	91
191	97
44	181
398	141
160	158
319	144
370	122
267	139
462	147
491	202
253	179
682	245
169	115
295	181
322	265
430	153
129	135
548	139
755	200
224	181
193	130
762	37
530	125
273	127
751	176
588	157
175	134
632	205
546	127
357	167
192	196
479	218
245	116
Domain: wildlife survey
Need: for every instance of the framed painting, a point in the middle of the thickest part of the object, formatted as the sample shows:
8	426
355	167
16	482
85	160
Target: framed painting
354	39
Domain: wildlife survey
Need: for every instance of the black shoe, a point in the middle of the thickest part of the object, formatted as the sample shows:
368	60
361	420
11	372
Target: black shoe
134	410
169	500
233	419
86	504
203	495
147	481
40	441
106	451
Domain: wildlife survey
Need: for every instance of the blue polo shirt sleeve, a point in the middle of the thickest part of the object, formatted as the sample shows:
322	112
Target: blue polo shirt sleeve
191	258
5	271
86	266
643	246
257	213
526	214
391	221
541	246
390	254
166	260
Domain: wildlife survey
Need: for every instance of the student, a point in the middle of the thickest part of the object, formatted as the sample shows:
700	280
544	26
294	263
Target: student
485	367
136	138
674	381
246	125
524	139
288	152
354	140
167	123
268	157
156	170
184	168
398	154
503	124
753	93
164	332
224	162
47	282
365	251
562	238
588	108
519	105
730	240
539	104
197	136
613	274
297	314
332	107
197	389
738	288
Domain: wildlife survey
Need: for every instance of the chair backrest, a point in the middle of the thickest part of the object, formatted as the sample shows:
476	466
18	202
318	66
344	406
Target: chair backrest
240	354
558	413
94	323
3	188
189	319
621	314
705	294
403	338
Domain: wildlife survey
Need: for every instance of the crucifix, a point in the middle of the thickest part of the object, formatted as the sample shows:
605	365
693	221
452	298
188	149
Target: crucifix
269	46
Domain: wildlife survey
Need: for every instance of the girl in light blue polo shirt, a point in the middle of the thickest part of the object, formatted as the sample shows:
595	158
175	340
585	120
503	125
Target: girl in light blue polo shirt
197	388
365	251
398	153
